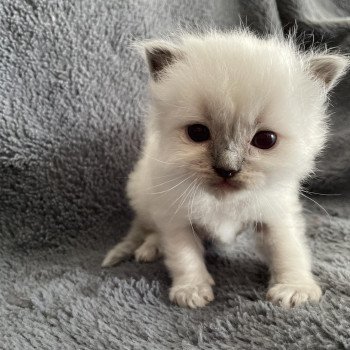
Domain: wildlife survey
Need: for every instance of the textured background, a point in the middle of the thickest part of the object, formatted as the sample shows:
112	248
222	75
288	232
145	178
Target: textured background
72	97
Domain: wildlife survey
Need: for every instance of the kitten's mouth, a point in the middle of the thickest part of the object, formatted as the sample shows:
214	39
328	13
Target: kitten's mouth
227	185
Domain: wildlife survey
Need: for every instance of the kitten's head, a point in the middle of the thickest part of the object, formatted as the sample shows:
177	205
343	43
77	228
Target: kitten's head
237	111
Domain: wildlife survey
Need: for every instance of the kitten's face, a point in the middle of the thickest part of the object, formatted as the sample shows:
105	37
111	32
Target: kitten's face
238	115
230	150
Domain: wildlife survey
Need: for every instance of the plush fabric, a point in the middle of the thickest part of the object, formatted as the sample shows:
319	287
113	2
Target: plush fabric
72	99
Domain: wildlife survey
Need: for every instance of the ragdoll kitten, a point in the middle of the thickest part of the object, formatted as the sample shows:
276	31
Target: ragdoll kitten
235	124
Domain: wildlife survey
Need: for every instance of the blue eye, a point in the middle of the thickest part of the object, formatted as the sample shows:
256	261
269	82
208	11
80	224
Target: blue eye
264	139
198	133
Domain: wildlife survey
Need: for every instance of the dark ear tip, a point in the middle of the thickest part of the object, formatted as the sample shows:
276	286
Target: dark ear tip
158	58
160	55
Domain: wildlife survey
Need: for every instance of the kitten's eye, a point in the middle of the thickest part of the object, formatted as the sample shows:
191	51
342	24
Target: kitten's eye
198	132
264	139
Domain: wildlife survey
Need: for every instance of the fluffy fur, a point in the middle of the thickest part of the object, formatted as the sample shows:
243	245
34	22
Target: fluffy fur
236	84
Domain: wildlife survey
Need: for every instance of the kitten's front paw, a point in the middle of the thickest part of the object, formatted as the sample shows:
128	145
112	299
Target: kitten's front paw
291	295
147	253
192	296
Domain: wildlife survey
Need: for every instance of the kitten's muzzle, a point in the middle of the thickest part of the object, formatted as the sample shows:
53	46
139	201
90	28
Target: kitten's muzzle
225	173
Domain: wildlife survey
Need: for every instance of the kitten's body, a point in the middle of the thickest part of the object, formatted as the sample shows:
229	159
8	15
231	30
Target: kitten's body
236	85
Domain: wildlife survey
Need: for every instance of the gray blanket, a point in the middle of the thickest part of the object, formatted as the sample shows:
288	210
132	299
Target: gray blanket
72	99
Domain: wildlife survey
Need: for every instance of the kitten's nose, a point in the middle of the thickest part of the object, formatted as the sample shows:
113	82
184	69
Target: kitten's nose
225	173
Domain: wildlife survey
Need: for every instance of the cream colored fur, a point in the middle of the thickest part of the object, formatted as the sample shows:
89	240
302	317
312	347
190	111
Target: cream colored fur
236	84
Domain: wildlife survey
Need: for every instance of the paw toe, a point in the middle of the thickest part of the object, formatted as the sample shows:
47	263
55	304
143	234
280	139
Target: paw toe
192	296
291	295
146	253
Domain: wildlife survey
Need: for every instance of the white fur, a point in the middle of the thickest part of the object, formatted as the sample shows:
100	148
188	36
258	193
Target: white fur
245	84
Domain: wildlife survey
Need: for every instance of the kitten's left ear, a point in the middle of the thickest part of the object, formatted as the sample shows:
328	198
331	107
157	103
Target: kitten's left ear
160	55
328	68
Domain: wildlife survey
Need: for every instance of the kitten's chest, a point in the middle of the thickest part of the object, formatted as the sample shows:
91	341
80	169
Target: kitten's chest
222	221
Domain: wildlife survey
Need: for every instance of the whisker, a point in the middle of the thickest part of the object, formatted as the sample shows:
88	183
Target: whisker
165	191
189	213
321	194
162	176
171	180
142	151
188	190
319	205
184	193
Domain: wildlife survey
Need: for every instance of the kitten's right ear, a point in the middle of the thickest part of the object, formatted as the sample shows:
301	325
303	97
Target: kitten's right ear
159	56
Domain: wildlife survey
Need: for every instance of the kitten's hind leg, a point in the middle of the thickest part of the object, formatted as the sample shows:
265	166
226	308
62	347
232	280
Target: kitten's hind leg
150	249
127	246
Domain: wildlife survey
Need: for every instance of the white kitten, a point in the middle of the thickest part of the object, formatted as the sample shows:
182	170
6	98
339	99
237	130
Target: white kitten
235	124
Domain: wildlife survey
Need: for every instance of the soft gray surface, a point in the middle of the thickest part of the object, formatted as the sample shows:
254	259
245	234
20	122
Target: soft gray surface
72	96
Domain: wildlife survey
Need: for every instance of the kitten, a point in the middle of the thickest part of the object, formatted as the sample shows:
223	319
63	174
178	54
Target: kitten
235	124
